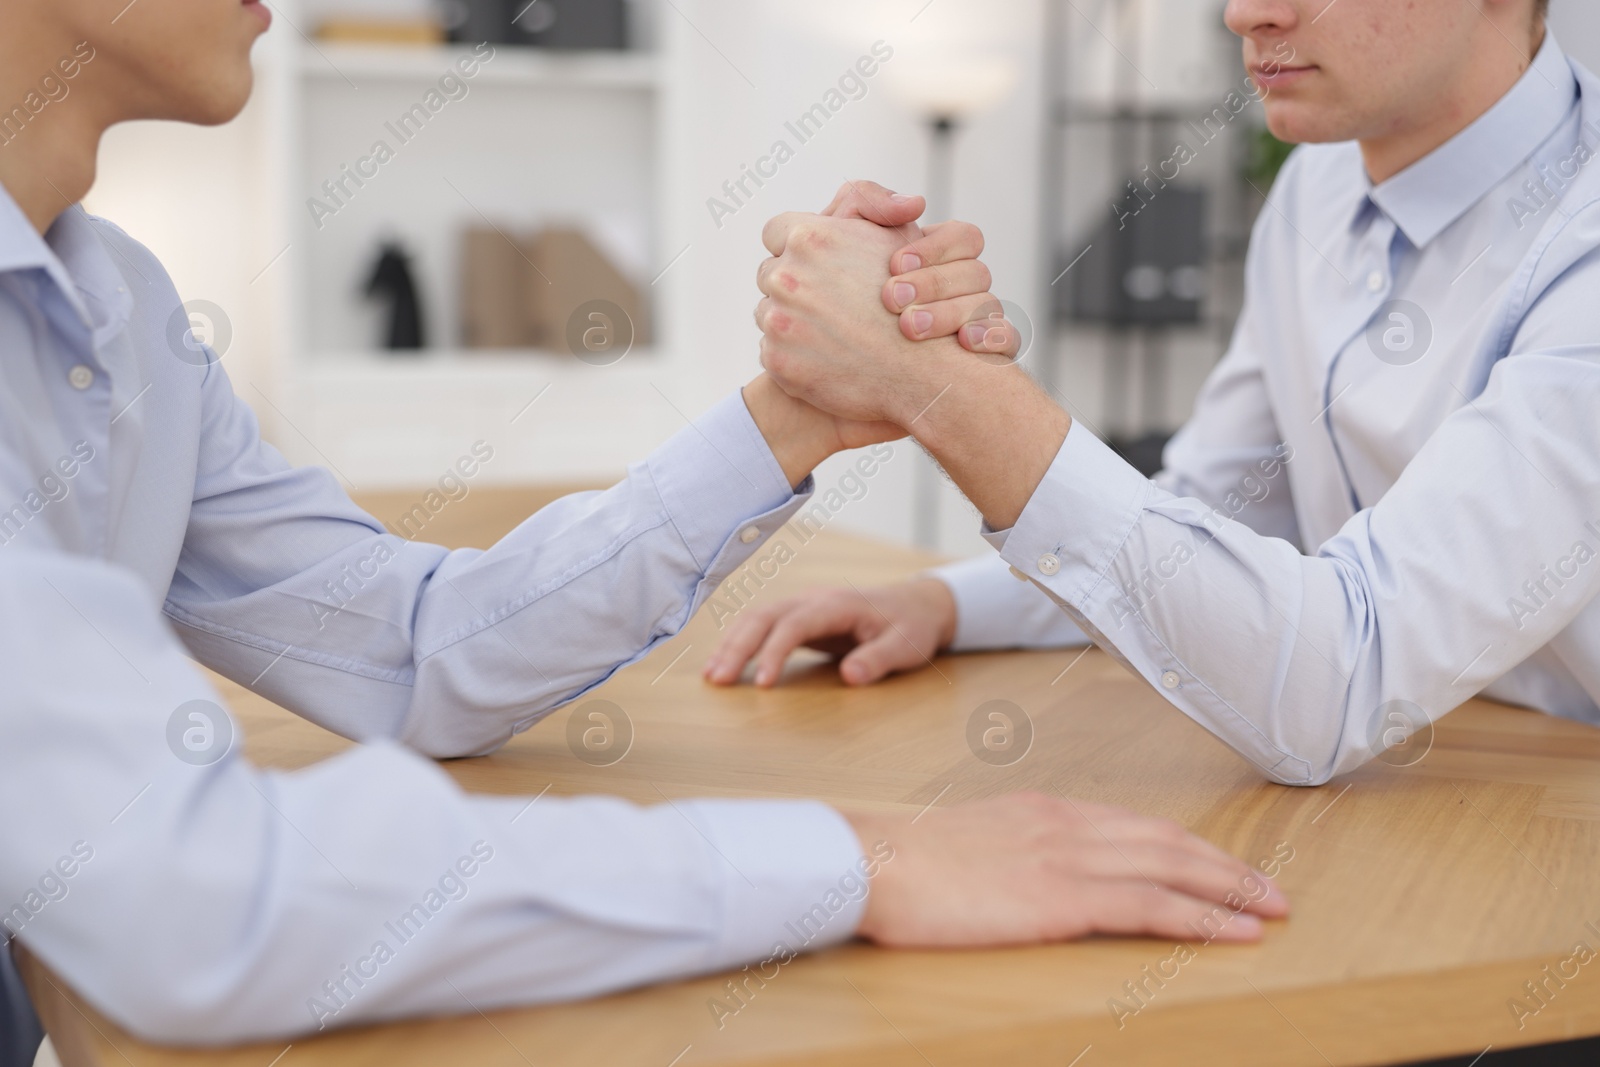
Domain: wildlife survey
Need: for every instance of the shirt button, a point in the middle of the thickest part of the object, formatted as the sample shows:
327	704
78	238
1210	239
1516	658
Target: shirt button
80	377
1048	564
1375	281
1170	680
749	534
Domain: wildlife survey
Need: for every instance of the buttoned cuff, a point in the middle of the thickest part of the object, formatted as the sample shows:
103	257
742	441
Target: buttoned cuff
793	875
1076	521
723	488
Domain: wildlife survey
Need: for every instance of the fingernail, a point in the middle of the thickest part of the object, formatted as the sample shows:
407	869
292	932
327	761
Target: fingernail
905	294
901	198
910	262
976	335
854	673
764	677
921	321
1247	924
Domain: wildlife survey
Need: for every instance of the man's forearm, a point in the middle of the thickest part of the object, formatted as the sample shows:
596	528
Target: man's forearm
799	435
993	431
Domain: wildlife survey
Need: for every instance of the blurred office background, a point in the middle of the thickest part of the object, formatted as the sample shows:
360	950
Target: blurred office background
600	144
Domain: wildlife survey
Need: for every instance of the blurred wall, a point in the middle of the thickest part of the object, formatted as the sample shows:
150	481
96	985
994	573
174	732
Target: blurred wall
1577	26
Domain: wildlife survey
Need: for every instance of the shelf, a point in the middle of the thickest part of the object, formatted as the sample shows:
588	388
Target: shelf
516	65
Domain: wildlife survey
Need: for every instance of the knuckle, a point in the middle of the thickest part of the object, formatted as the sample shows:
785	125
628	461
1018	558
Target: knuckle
780	363
811	237
773	320
779	323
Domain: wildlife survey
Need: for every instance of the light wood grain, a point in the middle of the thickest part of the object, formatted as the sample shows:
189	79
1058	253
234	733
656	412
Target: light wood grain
1424	897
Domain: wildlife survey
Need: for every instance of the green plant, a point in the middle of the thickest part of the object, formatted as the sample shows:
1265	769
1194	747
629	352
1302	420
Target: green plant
1266	158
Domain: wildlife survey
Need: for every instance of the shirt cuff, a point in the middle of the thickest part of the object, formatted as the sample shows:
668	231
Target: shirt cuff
723	489
997	608
794	876
1077	520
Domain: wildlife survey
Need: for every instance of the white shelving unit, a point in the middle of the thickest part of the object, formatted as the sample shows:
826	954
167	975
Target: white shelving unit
585	147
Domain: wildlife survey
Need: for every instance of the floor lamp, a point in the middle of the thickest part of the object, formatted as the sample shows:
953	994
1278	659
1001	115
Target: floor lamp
946	90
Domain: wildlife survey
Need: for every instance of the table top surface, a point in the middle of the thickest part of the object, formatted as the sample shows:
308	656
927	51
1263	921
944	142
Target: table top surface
1424	896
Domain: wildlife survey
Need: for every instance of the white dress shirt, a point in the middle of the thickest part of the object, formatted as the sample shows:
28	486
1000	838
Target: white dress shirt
1388	497
193	898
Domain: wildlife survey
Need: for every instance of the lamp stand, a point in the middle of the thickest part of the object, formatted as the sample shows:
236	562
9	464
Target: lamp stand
941	182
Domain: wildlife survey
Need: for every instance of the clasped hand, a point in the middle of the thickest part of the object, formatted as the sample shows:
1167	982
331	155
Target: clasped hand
825	336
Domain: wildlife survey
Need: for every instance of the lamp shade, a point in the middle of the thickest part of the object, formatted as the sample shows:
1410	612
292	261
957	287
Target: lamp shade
952	58
951	86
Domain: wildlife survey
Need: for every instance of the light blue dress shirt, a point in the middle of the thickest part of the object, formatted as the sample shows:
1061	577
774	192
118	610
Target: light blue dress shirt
1388	497
197	901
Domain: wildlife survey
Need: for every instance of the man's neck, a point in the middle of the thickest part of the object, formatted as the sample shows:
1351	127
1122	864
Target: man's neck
47	179
1486	81
47	163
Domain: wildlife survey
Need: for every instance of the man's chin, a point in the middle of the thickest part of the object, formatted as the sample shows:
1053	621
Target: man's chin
1302	122
221	103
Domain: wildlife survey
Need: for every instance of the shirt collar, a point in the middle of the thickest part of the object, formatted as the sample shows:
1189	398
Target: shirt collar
21	247
75	257
1433	192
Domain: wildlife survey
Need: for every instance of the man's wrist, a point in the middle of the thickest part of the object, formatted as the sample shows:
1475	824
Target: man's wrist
941	603
870	831
995	433
799	436
940	368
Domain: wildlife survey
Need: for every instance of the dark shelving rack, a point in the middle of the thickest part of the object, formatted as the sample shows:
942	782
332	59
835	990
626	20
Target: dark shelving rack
1139	135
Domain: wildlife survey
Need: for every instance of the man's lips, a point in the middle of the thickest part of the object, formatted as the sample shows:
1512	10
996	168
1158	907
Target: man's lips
259	9
1277	76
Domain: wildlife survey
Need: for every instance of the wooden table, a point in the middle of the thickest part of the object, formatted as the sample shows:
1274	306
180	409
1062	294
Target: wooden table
1424	896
